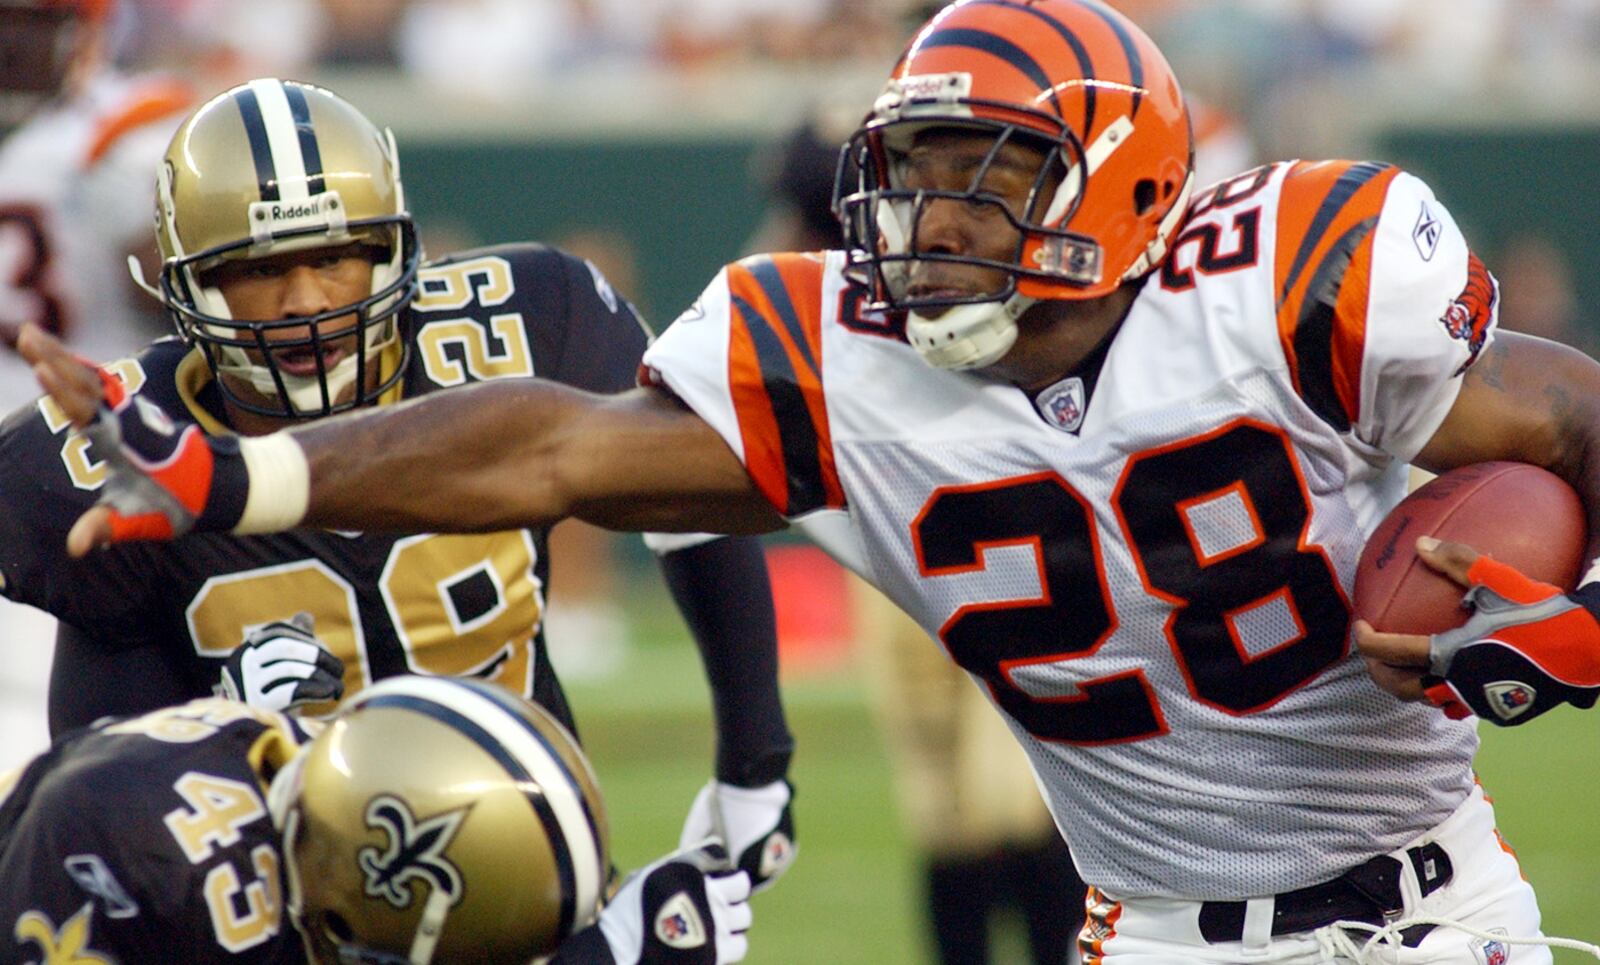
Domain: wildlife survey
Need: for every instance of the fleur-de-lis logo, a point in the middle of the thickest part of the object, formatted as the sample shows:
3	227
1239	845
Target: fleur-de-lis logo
68	945
415	850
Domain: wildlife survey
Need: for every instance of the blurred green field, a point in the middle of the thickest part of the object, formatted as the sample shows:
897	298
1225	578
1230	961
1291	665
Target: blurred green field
852	895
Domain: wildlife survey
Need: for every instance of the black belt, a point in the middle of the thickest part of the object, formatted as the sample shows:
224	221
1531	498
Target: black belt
1368	893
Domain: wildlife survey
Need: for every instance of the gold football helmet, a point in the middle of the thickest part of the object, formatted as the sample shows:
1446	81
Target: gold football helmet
270	167
443	819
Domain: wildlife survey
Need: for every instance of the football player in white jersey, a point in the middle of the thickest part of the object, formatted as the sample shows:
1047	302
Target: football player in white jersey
1114	438
73	205
74	198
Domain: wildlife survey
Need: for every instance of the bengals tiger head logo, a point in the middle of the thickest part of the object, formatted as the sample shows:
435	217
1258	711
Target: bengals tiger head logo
1472	313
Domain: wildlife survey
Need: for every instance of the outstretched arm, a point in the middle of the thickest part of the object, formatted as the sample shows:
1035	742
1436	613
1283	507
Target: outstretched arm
495	455
523	452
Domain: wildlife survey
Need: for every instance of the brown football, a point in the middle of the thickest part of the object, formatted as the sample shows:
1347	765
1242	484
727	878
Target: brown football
1519	514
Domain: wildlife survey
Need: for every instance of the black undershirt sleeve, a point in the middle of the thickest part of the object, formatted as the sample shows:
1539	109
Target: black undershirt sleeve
725	596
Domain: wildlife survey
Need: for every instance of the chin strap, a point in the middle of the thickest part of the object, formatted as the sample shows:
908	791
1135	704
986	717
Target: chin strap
431	926
968	336
136	270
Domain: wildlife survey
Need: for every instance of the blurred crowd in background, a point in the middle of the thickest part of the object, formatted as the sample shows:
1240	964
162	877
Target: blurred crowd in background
489	43
1286	78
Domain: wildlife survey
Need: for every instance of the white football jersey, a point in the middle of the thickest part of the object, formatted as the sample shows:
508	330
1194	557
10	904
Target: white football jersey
1147	566
77	188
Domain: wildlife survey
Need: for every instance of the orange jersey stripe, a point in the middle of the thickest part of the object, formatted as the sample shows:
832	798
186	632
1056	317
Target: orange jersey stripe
802	277
1350	337
758	426
1326	218
775	369
151	103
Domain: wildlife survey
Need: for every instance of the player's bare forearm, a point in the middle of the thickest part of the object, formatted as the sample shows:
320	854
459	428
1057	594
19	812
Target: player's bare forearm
527	452
1528	400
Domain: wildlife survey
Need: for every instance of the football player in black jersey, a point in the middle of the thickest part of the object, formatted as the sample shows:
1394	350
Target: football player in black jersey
214	832
293	274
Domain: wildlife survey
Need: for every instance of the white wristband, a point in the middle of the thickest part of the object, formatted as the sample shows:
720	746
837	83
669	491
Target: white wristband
280	483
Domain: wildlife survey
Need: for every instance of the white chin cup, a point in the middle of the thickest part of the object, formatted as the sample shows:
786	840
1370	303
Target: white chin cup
305	391
967	336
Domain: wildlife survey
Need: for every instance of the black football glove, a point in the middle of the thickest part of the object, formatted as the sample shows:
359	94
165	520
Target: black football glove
282	665
1526	648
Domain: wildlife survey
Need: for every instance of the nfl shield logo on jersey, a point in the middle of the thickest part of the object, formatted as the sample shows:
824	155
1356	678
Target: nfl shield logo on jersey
1061	405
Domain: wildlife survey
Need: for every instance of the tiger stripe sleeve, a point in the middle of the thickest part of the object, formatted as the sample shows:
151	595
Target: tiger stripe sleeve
1326	218
1380	304
747	357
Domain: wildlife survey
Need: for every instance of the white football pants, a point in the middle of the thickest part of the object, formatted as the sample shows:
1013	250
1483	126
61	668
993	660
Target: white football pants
1486	899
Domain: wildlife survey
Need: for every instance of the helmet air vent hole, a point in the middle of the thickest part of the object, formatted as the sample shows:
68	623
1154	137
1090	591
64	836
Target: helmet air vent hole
338	928
1144	195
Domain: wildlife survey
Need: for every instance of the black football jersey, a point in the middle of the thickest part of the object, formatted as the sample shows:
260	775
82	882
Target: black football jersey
385	604
148	840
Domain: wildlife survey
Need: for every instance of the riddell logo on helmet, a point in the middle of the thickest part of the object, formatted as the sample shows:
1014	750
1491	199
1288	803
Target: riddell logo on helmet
326	209
935	85
281	211
915	93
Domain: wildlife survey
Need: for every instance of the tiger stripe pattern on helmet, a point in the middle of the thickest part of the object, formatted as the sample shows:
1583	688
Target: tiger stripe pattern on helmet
1013	42
1321	280
490	720
774	362
1130	50
1074	77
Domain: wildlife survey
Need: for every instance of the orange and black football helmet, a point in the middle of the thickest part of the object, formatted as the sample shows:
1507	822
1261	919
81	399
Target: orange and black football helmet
1072	77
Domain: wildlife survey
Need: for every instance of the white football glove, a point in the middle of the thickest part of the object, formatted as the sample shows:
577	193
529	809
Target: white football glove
756	822
282	665
689	908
